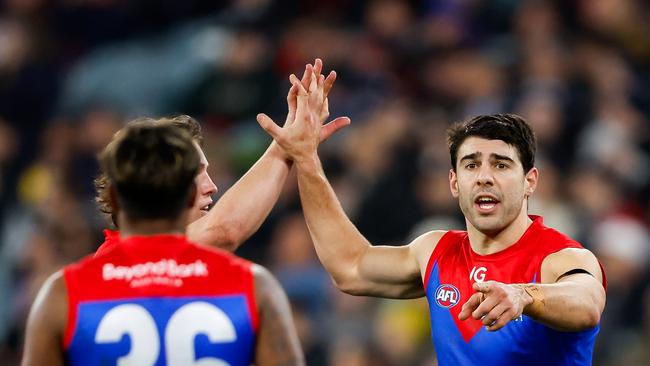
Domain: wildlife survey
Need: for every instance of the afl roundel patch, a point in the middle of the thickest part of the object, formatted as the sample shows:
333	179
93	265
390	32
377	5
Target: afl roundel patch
447	296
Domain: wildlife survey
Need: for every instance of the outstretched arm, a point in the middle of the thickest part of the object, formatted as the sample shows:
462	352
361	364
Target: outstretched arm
243	208
571	296
46	323
355	266
277	339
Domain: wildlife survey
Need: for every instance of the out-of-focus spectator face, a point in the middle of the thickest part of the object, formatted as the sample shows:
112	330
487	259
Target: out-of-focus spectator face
536	20
544	114
388	18
14	45
97	128
248	53
606	15
463	76
291	244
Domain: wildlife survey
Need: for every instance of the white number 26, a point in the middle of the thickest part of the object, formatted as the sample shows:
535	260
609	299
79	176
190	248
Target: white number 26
187	322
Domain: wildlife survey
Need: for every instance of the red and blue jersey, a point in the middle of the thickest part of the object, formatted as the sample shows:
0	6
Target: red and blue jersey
452	269
160	300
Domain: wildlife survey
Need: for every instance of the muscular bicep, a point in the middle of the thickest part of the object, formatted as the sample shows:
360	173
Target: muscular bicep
569	262
395	272
46	324
579	268
277	339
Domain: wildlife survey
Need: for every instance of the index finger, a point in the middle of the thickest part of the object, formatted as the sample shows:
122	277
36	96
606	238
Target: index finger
470	305
484	287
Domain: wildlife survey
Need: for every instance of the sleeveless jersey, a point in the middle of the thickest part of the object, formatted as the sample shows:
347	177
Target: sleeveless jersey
452	269
160	300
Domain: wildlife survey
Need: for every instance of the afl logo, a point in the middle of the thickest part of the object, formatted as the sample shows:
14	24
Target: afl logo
447	296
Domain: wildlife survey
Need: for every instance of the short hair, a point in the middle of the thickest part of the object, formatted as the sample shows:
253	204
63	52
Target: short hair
152	167
509	128
182	122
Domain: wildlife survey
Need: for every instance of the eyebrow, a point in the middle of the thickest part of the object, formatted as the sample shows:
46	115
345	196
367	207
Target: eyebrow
477	155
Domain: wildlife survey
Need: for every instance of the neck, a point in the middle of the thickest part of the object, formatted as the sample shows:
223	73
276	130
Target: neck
145	227
485	243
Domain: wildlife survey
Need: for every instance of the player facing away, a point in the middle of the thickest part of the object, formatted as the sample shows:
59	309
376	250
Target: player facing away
242	208
153	297
508	291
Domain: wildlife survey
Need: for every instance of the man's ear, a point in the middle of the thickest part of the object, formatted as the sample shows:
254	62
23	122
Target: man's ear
532	177
453	183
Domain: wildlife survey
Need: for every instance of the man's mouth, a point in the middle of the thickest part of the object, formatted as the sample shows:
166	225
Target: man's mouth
207	207
486	203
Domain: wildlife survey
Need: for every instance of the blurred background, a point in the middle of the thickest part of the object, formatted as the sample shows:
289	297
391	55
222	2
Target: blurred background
72	71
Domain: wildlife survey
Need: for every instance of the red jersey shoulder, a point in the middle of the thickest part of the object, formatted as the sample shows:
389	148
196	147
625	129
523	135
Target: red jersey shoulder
552	240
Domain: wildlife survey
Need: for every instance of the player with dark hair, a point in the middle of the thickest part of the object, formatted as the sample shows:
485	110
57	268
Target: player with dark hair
152	297
508	291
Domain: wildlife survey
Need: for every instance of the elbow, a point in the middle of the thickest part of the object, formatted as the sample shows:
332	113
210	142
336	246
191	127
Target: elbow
592	319
225	236
347	285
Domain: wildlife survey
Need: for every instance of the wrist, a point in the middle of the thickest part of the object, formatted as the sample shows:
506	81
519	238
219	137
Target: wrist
534	299
307	163
278	152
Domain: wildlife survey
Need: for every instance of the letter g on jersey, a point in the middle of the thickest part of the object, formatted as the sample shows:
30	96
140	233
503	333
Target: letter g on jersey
447	296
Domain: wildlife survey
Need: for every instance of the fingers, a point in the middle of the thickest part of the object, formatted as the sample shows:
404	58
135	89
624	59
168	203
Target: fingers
318	66
330	128
306	77
329	82
506	316
291	98
495	314
298	84
470	305
269	126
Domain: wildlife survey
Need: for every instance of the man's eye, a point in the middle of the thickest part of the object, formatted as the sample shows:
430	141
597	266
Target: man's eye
470	166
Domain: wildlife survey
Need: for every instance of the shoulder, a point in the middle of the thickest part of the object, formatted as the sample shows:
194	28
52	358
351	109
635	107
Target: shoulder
567	259
424	246
50	307
554	240
267	287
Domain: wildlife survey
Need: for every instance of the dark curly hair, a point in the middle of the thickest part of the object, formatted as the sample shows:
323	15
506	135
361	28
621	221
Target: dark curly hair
509	128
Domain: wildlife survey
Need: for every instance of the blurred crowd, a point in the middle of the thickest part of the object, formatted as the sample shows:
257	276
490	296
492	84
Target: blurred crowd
73	71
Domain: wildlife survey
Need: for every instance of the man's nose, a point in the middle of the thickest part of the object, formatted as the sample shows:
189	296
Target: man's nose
207	186
485	176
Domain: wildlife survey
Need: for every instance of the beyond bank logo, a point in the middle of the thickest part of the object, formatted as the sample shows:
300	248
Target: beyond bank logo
447	296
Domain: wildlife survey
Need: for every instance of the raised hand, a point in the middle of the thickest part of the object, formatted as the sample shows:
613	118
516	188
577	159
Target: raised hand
300	139
329	128
495	304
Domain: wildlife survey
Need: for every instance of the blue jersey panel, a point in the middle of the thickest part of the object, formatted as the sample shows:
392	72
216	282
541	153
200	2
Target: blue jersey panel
523	341
148	331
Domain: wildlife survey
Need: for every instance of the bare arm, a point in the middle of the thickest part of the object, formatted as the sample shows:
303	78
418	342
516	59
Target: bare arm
356	266
277	340
243	208
46	324
570	303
